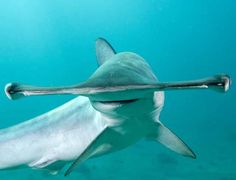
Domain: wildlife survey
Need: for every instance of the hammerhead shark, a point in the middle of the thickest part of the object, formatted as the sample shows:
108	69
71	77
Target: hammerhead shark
116	107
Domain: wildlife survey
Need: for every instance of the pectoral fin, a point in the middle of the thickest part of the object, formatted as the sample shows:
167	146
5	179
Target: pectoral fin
95	147
171	141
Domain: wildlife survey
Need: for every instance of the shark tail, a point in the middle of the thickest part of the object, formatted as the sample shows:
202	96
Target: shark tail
166	137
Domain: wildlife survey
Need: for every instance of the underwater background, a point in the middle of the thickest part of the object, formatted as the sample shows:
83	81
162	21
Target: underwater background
51	43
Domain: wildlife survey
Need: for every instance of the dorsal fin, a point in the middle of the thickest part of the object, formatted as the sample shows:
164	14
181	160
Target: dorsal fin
104	51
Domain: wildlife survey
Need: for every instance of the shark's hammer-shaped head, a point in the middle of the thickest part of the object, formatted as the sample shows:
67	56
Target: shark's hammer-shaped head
120	77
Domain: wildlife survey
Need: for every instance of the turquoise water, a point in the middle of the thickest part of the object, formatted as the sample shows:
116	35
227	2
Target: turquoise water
52	43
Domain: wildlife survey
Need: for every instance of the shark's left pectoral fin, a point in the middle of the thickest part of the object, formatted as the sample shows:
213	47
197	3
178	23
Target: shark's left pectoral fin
171	141
95	147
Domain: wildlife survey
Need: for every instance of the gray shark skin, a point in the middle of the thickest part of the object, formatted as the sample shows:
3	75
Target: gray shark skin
117	106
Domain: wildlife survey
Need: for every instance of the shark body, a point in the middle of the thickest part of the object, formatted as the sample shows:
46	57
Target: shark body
119	105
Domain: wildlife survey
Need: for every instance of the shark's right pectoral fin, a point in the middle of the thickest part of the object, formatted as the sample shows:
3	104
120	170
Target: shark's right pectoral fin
171	141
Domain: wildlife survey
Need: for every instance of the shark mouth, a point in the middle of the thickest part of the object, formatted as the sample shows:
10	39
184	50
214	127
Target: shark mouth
119	101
